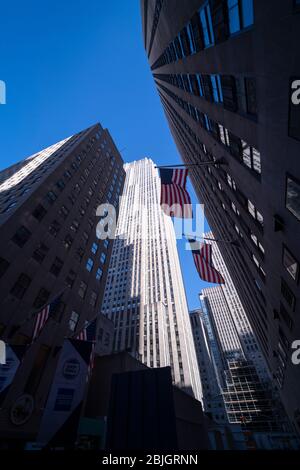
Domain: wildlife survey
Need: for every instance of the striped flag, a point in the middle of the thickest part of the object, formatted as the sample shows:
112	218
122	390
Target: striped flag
203	261
174	198
88	333
43	315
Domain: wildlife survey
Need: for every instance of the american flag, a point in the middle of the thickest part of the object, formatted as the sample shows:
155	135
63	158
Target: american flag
44	314
203	261
88	333
174	193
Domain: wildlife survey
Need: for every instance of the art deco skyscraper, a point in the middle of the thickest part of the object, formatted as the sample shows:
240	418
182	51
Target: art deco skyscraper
226	72
144	294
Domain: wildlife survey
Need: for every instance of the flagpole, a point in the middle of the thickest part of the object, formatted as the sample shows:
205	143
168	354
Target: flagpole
232	242
188	165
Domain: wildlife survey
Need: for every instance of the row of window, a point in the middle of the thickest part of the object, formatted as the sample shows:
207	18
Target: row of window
288	259
213	23
246	154
235	93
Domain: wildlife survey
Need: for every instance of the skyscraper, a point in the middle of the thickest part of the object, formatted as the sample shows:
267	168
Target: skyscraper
144	294
226	75
227	301
49	249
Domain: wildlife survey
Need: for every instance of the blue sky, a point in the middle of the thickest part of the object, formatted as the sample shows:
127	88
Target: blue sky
69	64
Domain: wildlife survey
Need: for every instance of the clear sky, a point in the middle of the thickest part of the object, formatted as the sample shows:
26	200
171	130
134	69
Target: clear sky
69	64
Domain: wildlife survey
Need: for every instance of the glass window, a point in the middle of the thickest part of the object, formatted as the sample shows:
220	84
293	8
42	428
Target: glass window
73	321
103	258
94	248
234	16
20	287
290	264
21	236
39	212
292	201
4	265
205	18
56	267
93	298
89	265
247	13
99	274
82	289
40	253
41	298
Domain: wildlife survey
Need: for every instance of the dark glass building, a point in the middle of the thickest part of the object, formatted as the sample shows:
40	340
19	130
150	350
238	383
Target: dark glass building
227	72
49	247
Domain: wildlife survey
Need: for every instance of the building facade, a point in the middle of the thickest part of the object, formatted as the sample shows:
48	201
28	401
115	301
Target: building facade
144	294
228	303
49	249
226	72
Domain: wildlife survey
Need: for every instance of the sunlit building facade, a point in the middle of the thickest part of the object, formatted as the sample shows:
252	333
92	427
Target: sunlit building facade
144	294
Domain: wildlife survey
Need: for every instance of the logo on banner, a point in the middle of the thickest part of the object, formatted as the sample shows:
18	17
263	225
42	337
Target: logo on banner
71	369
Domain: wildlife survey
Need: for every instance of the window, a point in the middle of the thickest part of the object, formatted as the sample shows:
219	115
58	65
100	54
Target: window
234	16
240	14
93	298
106	243
292	199
82	289
250	89
205	18
286	317
67	175
64	212
94	248
21	286
54	228
68	241
255	213
60	184
99	274
73	321
102	258
51	197
89	265
251	157
56	267
21	236
75	226
41	298
287	294
79	253
216	88
4	265
40	253
229	94
290	264
39	212
70	279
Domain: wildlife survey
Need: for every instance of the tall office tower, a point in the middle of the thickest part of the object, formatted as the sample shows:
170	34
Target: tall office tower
248	398
49	247
144	293
229	298
209	362
227	77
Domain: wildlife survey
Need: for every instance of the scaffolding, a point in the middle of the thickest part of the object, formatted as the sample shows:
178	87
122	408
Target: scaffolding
248	401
